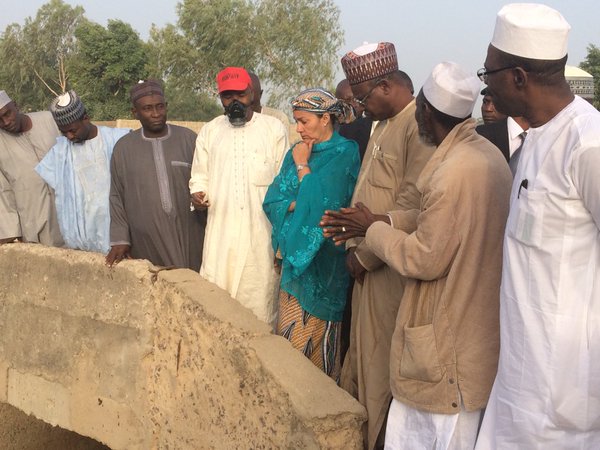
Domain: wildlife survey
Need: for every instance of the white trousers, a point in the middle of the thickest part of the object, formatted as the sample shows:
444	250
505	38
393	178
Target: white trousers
411	429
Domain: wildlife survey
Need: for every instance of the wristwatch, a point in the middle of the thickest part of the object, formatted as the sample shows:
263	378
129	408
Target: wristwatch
299	167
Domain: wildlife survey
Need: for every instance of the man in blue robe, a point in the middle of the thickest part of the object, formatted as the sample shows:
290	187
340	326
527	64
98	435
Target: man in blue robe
77	167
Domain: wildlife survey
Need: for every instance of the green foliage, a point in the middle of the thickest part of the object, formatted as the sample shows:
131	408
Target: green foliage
108	62
591	64
290	44
34	55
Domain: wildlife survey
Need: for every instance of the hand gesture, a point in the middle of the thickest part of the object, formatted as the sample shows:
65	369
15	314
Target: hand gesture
302	151
347	223
200	200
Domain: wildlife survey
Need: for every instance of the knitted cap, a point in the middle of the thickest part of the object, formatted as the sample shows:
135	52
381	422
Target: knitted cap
67	108
369	61
145	87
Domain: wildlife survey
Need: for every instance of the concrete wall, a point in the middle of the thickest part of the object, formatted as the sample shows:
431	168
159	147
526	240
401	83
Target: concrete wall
138	358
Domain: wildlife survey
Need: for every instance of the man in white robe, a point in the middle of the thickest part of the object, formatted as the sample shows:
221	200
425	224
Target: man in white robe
77	167
27	209
236	158
546	394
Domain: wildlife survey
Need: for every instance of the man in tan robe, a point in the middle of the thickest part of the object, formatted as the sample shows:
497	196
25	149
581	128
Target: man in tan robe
27	207
445	346
393	161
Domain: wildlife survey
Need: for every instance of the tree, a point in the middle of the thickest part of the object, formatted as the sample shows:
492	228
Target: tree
290	44
107	63
172	60
591	64
34	57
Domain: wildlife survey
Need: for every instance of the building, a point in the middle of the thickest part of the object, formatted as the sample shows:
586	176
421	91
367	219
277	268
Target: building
581	82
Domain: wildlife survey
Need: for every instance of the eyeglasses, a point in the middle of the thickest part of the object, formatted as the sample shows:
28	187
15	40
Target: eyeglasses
483	72
363	100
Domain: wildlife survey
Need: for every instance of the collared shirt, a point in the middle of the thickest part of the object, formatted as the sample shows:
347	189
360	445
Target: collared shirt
514	135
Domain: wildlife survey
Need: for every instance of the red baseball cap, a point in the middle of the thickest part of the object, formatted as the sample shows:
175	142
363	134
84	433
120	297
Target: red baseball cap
233	79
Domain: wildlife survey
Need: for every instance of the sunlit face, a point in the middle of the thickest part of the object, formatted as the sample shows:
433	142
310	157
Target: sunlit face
488	110
313	127
151	111
498	84
77	131
9	118
367	95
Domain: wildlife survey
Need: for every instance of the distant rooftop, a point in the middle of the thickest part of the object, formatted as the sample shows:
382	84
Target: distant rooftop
580	82
572	71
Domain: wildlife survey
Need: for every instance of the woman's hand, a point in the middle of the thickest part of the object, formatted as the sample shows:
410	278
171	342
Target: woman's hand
302	150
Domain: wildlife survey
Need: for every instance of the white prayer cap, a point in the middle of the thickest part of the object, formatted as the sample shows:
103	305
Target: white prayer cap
532	31
452	90
4	99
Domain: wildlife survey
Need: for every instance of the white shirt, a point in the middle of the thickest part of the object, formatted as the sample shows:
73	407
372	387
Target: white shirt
234	166
547	391
514	135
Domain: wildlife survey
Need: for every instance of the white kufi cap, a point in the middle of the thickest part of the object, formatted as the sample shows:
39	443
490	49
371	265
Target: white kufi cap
452	90
4	99
532	31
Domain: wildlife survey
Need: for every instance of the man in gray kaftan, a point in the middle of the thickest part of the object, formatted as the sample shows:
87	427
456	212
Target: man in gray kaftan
149	197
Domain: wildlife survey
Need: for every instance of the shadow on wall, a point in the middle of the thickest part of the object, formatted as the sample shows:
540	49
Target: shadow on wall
20	431
139	358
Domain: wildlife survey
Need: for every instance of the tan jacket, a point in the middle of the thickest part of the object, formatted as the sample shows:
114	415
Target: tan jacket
388	176
446	342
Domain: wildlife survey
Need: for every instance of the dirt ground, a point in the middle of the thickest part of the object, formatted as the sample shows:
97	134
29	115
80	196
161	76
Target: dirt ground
18	431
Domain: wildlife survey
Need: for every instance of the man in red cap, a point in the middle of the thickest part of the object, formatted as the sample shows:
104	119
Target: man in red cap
236	158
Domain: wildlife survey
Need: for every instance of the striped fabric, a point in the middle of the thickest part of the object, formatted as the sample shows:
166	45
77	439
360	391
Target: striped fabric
317	339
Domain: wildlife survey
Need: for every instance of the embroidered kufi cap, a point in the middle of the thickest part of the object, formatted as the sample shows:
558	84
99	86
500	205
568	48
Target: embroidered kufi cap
233	79
4	99
369	61
532	31
67	108
144	88
452	90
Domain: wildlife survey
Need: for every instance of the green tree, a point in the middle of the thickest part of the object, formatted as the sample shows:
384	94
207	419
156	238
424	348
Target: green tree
172	60
290	44
591	64
108	62
35	56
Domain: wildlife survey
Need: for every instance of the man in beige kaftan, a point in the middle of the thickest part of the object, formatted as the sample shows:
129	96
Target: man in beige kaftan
26	202
392	163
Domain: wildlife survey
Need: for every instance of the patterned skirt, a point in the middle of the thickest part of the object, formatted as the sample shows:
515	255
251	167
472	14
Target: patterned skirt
318	340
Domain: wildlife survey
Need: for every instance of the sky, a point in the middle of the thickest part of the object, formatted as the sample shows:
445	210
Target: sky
425	32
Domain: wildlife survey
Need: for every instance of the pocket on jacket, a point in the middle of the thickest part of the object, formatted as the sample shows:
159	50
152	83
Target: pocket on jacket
420	359
382	172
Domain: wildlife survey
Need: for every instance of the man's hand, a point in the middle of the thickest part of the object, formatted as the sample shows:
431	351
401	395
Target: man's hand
355	268
117	253
200	201
348	223
10	240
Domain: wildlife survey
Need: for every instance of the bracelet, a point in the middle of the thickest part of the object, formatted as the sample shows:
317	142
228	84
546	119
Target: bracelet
299	167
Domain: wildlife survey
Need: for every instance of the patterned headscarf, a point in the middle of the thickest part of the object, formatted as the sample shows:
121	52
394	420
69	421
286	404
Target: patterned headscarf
320	101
